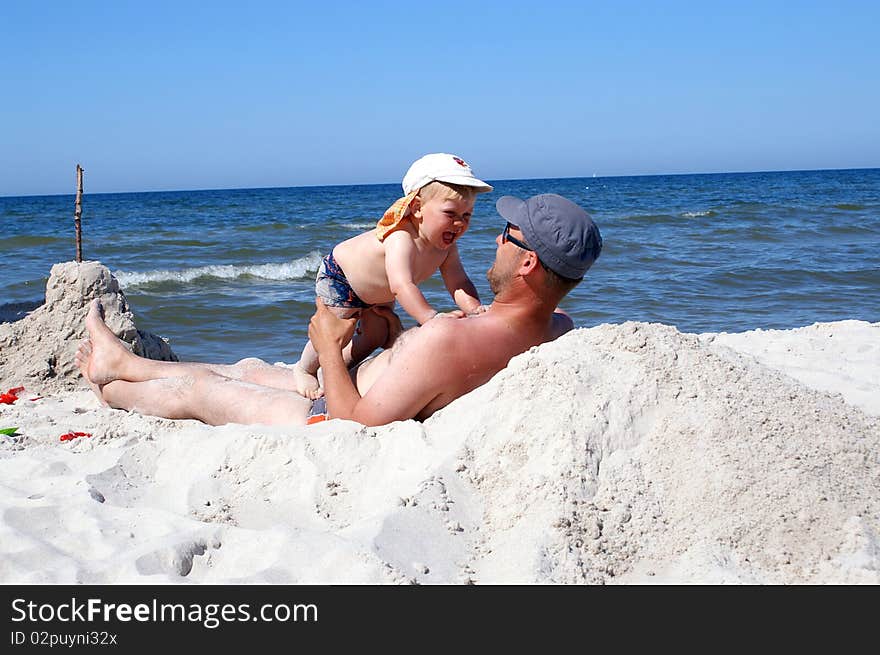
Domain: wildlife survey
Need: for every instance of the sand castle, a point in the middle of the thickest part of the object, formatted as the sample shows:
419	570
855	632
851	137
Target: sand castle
38	350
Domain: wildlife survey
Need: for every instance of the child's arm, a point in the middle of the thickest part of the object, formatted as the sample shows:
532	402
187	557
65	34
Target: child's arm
400	253
459	285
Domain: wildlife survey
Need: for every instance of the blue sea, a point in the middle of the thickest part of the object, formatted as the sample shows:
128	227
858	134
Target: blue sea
230	274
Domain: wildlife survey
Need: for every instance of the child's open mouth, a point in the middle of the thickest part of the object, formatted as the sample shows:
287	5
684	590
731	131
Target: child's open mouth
449	237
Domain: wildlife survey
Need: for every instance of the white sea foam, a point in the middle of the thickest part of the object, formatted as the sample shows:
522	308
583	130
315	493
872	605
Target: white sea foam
358	226
708	212
344	226
297	269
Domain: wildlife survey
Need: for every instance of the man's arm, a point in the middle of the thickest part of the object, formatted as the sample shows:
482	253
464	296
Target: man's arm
329	334
415	375
400	252
457	282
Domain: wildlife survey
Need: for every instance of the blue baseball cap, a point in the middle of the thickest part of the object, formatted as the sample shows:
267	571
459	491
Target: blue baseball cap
562	234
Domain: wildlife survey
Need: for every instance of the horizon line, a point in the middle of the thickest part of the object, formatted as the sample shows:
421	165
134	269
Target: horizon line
513	179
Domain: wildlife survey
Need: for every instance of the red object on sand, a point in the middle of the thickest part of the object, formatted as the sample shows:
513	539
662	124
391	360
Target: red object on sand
70	436
10	396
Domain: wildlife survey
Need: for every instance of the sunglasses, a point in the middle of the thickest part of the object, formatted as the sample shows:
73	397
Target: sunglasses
505	236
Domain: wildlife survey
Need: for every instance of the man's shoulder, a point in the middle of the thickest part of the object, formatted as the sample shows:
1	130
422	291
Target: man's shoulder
439	329
440	340
561	324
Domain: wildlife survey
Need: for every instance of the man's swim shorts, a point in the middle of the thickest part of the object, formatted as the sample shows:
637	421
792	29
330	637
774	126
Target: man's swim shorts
317	412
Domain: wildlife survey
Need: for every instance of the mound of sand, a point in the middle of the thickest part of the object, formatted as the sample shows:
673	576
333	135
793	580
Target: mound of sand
620	453
38	350
634	452
841	357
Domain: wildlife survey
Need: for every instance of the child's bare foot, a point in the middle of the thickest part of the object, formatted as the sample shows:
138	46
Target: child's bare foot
108	356
306	384
83	356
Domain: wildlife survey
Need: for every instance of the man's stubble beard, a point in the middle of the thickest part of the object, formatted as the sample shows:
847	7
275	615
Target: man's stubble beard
497	279
490	276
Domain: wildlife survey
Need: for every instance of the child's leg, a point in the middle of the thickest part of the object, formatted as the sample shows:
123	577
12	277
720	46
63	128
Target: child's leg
372	333
305	371
308	360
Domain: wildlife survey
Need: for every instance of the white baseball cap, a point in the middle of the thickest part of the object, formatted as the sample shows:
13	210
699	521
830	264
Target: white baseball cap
441	167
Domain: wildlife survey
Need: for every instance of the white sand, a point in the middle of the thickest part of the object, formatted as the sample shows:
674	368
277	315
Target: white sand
617	454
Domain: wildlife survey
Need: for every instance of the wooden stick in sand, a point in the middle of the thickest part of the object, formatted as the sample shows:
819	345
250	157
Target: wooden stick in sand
77	214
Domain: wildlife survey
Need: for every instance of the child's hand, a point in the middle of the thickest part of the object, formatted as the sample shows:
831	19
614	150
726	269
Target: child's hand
455	313
479	309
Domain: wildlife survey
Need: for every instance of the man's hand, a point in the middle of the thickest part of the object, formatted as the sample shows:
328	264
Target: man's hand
327	330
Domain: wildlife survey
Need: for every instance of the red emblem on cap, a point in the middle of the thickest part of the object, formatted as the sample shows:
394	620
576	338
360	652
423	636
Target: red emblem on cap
460	162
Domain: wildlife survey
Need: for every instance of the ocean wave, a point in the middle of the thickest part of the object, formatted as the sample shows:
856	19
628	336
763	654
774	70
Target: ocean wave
264	227
27	241
650	219
339	226
298	269
708	212
198	243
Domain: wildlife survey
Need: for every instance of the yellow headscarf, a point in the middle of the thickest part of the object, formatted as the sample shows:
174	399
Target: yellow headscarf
394	216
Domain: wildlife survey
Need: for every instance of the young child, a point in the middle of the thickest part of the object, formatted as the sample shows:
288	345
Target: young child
415	237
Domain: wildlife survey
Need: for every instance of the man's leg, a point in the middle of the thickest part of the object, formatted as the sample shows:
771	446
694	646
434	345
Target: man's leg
251	391
210	398
104	358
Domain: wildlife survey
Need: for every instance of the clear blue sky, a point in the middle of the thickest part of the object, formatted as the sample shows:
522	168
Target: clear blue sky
176	95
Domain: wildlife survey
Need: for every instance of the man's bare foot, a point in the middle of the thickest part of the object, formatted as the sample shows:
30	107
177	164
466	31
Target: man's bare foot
306	384
83	356
108	355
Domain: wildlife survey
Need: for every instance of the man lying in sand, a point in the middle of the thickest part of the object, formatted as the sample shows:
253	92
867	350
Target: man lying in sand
544	251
